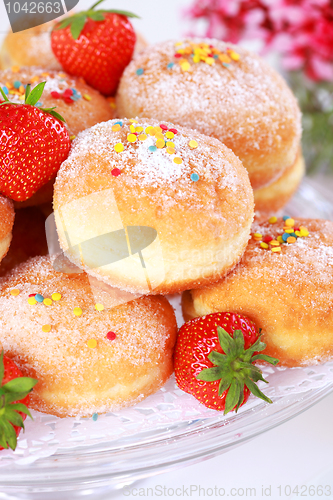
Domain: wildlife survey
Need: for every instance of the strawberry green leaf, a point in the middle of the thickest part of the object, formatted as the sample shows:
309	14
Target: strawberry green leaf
3	440
63	24
20	384
239	340
264	357
121	13
255	390
96	16
4	96
210	374
9	433
233	396
13	417
56	115
226	342
22	408
77	25
217	358
2	368
10	397
27	92
35	94
224	385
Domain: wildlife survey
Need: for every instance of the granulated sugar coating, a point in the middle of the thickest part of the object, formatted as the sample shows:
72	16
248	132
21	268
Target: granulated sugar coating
243	102
61	338
191	189
71	102
289	294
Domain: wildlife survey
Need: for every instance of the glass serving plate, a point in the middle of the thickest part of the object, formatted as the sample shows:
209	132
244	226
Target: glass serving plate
166	430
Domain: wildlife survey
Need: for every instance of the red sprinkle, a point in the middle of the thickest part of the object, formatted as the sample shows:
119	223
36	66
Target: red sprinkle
267	239
32	295
115	172
111	335
55	94
178	55
68	100
68	93
163	127
173	130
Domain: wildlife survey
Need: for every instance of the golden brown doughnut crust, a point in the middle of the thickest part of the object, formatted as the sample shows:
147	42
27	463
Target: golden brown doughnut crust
247	106
75	379
288	295
80	114
272	198
203	227
7	215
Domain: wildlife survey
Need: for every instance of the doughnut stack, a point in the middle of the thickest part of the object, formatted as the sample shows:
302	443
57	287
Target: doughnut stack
158	201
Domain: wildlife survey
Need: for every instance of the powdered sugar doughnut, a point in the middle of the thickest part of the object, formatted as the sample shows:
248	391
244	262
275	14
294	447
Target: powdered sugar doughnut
6	224
87	359
151	208
270	199
289	294
223	91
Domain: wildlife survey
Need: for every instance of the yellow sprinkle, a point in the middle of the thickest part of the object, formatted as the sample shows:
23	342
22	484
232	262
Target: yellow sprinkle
288	230
92	343
47	302
32	301
234	55
142	137
87	97
193	144
150	131
276	249
289	222
56	296
112	104
160	144
291	239
34	79
131	138
170	150
116	127
272	220
178	160
185	66
263	245
99	307
210	61
280	239
170	144
304	231
46	328
15	69
196	58
132	120
275	243
224	58
257	236
72	137
298	233
132	129
139	129
15	292
158	129
169	135
177	44
159	135
119	147
77	311
45	73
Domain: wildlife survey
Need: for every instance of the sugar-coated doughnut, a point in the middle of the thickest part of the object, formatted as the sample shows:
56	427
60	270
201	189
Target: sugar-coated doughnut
29	238
270	199
287	293
7	215
185	200
223	91
87	359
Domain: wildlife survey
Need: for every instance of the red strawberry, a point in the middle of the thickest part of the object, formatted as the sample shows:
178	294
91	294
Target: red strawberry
14	399
34	142
96	45
214	358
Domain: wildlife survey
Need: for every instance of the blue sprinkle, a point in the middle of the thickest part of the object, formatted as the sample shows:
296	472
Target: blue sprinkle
152	148
75	97
285	236
39	297
6	91
216	56
17	84
170	65
119	123
294	235
139	71
95	417
285	217
195	177
39	104
226	65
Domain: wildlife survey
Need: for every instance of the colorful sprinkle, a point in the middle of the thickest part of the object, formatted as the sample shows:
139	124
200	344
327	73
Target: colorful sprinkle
193	144
142	137
119	123
263	245
185	66
77	311
150	131
304	232
95	417
160	144
152	148
174	130
257	236
131	120
291	239
195	177
131	138
92	343
87	97
285	217
132	129
289	222
267	239
14	292
116	127
178	160
99	307
115	172
46	328
285	236
15	69
39	297
47	302
72	137
274	243
56	296
111	336
272	220
170	65
163	127
276	249
139	71
119	147
170	144
170	150
32	301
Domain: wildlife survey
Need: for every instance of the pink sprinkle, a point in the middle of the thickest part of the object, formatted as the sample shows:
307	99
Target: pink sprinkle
55	94
115	172
173	130
111	335
163	127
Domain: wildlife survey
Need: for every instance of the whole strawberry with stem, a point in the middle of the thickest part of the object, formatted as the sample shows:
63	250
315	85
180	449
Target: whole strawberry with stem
96	45
214	358
34	141
14	401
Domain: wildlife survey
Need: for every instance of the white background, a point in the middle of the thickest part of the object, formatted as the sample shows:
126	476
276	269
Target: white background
295	453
